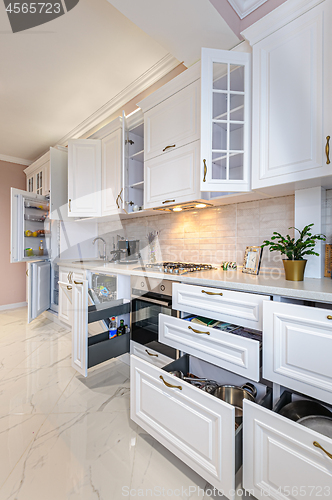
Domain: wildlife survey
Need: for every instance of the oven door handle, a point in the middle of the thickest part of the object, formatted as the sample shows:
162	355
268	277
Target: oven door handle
153	301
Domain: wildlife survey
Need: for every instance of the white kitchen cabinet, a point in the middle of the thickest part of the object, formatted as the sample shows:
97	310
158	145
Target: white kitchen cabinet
281	460
225	121
111	172
291	96
173	182
232	352
65	295
133	174
197	427
241	308
39	288
173	123
84	178
296	348
88	351
48	176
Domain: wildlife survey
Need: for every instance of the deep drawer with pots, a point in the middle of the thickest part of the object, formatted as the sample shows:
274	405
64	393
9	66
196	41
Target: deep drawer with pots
284	459
150	355
241	308
232	352
196	426
297	348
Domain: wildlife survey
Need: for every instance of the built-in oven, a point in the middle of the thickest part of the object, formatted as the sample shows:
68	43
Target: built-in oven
149	298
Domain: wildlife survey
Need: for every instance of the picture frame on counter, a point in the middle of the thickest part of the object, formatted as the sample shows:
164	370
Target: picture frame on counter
252	260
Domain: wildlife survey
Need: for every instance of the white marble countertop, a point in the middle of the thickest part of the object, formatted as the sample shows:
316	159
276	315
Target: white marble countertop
319	290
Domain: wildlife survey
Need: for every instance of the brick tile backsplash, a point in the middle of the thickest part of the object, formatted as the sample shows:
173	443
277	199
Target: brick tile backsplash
214	234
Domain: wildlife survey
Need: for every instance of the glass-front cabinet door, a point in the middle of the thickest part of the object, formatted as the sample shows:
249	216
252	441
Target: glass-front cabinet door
225	121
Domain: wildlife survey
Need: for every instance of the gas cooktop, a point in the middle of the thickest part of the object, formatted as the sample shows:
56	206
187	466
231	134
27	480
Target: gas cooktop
178	267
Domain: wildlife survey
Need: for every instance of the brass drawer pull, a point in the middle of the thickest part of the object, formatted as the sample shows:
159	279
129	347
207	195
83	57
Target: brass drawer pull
321	448
27	272
69	287
197	331
327	150
170	385
212	293
205	171
168	201
69	204
329	317
168	147
78	282
150	353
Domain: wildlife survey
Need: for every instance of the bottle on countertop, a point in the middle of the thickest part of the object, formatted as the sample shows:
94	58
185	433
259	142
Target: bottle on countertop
41	248
112	329
121	328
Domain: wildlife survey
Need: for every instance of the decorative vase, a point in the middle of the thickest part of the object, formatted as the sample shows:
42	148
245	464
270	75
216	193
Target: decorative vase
152	252
294	269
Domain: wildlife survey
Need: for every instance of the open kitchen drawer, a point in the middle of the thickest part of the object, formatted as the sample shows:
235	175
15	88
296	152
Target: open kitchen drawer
194	425
281	460
90	351
235	353
241	308
297	348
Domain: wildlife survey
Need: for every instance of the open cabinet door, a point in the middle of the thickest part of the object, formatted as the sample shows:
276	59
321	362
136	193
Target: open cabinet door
80	327
28	214
39	288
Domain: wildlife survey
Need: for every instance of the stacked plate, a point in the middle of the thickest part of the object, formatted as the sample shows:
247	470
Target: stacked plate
311	414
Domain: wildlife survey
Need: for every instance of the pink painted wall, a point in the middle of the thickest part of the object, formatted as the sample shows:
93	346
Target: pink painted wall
12	288
234	22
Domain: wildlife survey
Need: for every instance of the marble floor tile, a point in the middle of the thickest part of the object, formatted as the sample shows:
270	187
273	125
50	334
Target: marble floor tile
47	355
34	390
106	389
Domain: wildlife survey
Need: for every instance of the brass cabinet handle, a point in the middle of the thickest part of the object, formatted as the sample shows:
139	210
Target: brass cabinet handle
117	202
327	150
119	198
69	204
150	353
69	287
205	171
170	385
321	448
329	317
78	282
167	147
197	331
70	276
168	201
27	272
212	293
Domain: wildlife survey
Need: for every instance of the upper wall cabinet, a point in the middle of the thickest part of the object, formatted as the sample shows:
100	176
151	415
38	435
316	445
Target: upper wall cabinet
225	121
291	91
48	176
84	178
171	141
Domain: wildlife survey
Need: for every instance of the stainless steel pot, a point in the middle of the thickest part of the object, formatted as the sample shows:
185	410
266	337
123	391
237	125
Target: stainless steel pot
304	408
235	395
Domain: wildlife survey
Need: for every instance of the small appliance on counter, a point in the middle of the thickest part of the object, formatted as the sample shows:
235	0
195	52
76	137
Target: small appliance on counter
127	251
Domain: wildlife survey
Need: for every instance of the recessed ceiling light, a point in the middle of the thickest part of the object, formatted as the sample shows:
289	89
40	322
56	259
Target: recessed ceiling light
177	209
200	205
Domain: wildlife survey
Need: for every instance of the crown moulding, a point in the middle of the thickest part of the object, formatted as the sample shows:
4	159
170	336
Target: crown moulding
245	7
13	159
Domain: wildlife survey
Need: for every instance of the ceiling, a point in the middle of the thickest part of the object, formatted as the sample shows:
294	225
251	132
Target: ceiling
55	76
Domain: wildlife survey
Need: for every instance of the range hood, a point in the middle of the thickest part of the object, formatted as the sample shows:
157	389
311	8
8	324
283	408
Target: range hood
190	205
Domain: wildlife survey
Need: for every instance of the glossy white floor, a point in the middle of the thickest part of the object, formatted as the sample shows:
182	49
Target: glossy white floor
65	437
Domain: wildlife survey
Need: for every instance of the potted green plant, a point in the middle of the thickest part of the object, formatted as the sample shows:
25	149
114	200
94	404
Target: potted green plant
295	250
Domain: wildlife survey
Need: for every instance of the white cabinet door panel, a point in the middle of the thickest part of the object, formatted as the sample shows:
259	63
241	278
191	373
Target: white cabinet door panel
288	103
237	354
198	428
111	172
297	348
39	291
173	178
84	177
65	302
280	460
172	123
243	309
80	327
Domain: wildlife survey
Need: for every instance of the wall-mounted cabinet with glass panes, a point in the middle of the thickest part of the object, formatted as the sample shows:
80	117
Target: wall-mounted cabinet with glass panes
225	121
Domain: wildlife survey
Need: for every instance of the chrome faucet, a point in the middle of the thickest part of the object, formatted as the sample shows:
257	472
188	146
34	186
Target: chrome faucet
102	239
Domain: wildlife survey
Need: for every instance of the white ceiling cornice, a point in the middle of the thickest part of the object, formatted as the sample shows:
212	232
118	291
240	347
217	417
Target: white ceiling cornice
13	159
245	7
158	71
